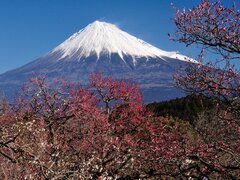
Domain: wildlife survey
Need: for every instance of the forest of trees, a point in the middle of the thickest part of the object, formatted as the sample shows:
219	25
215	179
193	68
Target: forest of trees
65	131
185	108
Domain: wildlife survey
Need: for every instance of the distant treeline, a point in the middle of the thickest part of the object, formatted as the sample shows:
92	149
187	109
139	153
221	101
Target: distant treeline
186	108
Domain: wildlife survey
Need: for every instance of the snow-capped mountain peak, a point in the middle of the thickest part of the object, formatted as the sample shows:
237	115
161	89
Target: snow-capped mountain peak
102	37
103	47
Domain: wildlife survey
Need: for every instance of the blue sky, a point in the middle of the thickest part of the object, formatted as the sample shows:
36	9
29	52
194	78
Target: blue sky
31	28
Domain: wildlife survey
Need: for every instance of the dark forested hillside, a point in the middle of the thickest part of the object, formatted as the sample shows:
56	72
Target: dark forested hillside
185	108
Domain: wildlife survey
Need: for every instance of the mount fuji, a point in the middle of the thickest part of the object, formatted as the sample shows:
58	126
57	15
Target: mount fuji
103	47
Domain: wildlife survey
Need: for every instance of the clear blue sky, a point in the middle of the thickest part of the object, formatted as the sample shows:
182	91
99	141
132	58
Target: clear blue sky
31	28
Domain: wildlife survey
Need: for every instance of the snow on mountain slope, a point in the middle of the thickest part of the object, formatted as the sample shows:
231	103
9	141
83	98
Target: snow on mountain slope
101	37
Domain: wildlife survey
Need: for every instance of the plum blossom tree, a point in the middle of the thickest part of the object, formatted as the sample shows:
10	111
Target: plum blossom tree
212	25
63	131
216	28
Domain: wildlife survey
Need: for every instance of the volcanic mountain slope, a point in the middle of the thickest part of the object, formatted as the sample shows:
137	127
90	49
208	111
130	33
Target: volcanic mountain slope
103	47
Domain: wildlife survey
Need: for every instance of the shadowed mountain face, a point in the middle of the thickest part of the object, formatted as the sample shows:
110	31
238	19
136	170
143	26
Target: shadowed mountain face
102	47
